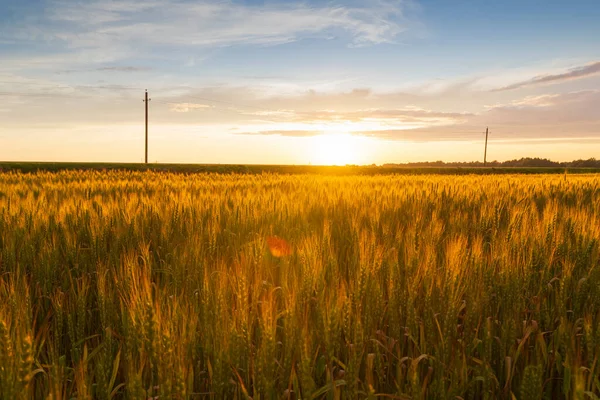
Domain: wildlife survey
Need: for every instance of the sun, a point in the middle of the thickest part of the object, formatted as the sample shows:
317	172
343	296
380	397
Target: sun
335	149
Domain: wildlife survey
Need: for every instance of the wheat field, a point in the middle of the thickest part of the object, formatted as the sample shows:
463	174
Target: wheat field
149	285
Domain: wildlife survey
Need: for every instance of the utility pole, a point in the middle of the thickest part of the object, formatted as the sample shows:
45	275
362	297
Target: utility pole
146	100
485	152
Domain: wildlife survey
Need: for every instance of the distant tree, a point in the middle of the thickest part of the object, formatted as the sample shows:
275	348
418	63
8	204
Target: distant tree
591	163
525	162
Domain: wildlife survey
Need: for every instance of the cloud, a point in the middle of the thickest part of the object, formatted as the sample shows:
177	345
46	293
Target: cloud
123	69
542	103
289	133
115	25
78	36
413	135
546	100
574	73
445	133
565	115
546	118
107	69
412	115
187	107
563	141
256	110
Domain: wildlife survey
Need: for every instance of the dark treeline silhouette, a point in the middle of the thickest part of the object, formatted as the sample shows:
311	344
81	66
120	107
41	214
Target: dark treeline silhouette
526	162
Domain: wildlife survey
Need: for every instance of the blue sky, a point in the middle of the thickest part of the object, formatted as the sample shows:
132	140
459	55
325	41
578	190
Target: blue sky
299	82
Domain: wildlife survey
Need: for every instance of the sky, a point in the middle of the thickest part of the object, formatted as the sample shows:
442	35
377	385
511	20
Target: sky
312	82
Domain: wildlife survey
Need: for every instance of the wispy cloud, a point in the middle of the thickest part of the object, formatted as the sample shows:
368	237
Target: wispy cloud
547	117
254	110
573	100
123	69
187	107
561	141
413	135
424	134
574	73
91	36
116	69
289	133
545	100
86	25
383	116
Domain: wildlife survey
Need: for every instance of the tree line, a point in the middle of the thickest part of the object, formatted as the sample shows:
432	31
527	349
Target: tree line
522	162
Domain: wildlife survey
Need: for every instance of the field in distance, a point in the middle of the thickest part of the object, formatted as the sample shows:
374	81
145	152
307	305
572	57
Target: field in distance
288	169
131	284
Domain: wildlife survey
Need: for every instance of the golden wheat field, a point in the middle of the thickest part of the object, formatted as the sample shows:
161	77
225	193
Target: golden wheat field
138	285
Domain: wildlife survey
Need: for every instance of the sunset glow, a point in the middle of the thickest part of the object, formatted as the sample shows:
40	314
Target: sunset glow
251	82
336	149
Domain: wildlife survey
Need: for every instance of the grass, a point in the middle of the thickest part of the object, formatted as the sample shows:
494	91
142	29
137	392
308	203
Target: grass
136	285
